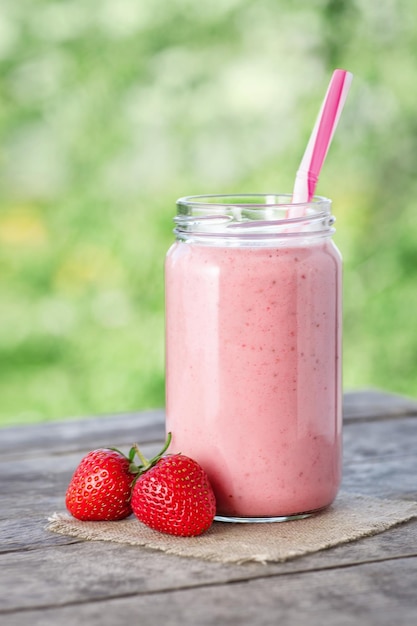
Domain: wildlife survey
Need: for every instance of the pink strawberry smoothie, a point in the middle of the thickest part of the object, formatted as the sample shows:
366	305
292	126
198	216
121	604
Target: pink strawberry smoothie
253	372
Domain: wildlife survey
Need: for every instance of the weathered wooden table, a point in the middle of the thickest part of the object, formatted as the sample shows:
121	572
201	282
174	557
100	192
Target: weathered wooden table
53	579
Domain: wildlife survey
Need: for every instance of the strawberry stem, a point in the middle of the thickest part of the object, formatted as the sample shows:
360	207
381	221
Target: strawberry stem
164	449
146	463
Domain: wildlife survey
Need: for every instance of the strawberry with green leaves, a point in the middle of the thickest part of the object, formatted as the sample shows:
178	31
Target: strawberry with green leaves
172	494
101	486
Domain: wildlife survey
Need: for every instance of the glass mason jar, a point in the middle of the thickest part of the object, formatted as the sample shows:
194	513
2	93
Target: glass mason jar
253	352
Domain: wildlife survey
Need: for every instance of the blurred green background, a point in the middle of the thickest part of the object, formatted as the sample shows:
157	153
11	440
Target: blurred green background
111	109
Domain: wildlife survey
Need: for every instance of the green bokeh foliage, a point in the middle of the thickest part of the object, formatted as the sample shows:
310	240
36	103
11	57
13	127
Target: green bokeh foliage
111	110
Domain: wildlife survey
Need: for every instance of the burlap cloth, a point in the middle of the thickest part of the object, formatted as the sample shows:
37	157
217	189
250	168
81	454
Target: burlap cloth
351	517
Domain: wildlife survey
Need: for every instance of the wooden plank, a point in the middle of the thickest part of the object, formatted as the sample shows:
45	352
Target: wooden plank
84	571
375	594
78	435
38	483
28	533
373	404
36	486
59	573
24	517
50	560
367	440
82	434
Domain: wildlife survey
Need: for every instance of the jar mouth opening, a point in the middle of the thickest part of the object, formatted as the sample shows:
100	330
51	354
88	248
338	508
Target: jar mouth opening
254	216
251	200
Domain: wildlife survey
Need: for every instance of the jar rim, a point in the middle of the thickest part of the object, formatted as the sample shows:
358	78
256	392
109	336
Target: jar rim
251	218
278	200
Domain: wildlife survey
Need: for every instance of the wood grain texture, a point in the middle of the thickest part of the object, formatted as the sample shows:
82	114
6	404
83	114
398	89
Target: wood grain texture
82	434
373	404
47	579
366	594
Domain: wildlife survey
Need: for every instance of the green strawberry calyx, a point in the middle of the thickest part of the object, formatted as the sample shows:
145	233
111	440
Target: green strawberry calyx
134	468
146	464
137	469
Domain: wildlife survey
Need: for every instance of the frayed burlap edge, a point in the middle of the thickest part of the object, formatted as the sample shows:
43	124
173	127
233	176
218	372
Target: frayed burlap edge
350	518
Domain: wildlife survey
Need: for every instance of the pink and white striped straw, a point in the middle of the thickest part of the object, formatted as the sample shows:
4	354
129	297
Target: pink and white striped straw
320	139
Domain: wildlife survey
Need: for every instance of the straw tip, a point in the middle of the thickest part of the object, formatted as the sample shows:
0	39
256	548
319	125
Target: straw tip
343	72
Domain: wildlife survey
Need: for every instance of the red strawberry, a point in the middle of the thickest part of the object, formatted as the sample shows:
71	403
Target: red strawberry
100	488
173	495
